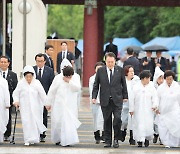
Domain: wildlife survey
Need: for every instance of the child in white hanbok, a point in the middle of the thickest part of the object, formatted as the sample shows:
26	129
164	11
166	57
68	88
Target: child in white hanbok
4	106
30	97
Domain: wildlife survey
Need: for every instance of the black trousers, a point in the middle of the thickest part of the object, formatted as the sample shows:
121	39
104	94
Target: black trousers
9	125
45	121
107	115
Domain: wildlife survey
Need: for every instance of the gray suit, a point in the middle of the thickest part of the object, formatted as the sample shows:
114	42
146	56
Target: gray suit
111	99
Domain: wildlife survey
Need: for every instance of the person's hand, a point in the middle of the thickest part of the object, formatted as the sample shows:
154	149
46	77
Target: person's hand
16	104
48	107
7	107
145	63
66	78
94	101
125	100
159	65
131	113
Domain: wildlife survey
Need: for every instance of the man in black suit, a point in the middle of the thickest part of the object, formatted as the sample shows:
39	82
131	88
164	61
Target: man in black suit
133	61
147	63
113	91
64	54
48	52
11	78
111	48
161	61
45	75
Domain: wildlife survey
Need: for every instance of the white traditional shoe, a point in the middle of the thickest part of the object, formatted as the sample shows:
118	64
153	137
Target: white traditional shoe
31	143
167	146
26	144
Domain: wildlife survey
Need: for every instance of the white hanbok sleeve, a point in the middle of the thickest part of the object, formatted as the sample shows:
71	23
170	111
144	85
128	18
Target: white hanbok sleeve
132	101
155	99
7	95
91	82
75	83
52	91
16	93
41	92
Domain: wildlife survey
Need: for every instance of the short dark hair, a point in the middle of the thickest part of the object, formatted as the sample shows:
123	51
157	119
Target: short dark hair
68	71
5	58
99	64
63	42
130	51
145	74
48	46
126	69
110	54
28	73
169	73
40	55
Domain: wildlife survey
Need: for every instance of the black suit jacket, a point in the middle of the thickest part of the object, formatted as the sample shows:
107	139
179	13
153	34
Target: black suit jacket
133	61
48	63
12	83
117	88
47	77
150	66
70	57
112	48
163	63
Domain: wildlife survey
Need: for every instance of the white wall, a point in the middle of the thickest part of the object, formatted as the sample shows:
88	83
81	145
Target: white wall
36	34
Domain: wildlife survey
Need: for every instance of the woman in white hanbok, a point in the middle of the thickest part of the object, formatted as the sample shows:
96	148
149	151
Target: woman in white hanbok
30	97
4	106
98	121
141	107
158	79
63	100
126	119
168	119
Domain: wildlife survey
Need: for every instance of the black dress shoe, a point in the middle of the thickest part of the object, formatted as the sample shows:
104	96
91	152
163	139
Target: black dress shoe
98	141
146	143
123	135
155	138
107	145
58	143
139	144
132	141
42	139
115	144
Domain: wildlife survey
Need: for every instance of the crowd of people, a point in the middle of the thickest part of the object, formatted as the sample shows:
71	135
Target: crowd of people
141	98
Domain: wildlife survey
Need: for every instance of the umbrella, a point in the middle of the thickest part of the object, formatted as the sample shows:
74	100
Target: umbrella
155	48
136	49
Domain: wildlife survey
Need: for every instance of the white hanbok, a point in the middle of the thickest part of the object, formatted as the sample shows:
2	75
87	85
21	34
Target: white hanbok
63	98
169	118
144	99
31	98
126	118
4	102
98	121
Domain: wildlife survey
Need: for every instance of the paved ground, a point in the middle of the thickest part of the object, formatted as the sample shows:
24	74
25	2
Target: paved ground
86	145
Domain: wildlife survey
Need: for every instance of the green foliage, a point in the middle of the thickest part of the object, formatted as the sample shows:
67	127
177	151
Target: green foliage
66	20
143	23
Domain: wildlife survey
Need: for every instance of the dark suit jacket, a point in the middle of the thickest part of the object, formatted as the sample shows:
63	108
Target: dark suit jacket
117	89
111	48
150	66
12	83
70	57
133	61
48	63
47	77
163	63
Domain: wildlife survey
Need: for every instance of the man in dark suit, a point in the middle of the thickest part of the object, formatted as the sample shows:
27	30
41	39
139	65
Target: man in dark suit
113	91
111	48
133	61
147	63
11	78
48	52
45	75
161	61
64	54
